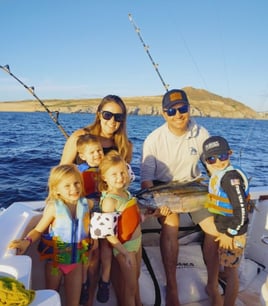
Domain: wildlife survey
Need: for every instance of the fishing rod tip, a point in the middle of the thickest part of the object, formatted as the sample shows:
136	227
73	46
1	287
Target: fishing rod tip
130	16
6	67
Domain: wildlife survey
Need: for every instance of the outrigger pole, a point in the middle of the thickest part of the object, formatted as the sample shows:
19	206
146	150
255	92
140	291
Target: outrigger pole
146	48
31	91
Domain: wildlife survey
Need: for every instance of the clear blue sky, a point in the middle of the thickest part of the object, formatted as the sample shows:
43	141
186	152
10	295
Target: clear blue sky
88	48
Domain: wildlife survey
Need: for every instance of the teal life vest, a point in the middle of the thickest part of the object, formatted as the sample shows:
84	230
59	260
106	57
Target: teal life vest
67	240
218	200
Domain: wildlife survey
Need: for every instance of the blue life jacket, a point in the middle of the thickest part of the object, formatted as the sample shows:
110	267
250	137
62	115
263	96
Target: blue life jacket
68	240
219	202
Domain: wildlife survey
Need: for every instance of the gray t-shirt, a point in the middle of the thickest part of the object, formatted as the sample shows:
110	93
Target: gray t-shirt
167	157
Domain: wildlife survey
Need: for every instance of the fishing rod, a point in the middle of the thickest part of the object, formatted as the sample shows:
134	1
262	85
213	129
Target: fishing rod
146	48
31	91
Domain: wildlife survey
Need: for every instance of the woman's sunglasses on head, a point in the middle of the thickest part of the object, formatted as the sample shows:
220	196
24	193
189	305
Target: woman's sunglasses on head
106	115
222	157
172	111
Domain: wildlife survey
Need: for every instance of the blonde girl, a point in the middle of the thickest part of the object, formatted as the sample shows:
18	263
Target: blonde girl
113	183
66	223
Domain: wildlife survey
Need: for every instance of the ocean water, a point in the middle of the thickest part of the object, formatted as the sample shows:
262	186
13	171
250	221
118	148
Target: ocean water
31	143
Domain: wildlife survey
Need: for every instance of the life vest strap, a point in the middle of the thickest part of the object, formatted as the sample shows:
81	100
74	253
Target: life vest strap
218	208
218	198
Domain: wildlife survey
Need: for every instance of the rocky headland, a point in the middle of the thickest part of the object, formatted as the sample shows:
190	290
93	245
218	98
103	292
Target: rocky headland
203	103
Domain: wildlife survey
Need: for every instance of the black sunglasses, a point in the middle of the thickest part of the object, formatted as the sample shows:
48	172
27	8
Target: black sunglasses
106	115
212	159
172	111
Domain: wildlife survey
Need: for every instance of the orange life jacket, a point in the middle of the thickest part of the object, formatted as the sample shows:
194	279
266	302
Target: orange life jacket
128	220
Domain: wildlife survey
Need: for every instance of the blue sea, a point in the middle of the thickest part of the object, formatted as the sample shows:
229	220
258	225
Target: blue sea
31	143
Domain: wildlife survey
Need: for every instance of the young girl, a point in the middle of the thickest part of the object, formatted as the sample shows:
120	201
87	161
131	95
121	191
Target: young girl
113	183
91	152
66	216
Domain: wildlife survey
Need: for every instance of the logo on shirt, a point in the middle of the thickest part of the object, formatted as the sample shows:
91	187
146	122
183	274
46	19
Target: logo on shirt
235	182
193	151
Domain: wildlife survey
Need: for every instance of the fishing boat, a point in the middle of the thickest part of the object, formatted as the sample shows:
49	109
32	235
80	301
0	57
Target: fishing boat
20	217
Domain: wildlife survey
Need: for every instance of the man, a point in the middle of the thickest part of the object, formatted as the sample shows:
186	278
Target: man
171	152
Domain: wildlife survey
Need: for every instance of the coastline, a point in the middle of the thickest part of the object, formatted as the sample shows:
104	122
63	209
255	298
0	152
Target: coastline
203	104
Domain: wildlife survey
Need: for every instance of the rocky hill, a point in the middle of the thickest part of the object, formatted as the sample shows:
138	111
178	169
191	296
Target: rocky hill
203	103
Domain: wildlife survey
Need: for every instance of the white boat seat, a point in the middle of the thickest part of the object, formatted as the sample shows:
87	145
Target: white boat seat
46	297
18	267
14	222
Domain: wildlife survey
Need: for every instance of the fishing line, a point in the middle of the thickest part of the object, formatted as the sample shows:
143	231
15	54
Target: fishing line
246	143
146	48
31	91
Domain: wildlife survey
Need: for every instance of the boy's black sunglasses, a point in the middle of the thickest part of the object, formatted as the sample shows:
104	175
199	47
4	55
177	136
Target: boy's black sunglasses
212	159
172	111
106	115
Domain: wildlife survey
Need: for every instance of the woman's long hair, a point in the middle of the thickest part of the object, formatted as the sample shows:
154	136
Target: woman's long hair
124	146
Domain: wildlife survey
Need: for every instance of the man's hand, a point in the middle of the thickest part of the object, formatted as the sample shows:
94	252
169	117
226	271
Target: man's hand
225	241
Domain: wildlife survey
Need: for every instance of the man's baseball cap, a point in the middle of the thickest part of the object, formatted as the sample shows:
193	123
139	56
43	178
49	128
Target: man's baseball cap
215	145
173	97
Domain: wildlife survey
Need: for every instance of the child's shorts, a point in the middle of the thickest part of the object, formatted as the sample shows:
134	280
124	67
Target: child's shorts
231	258
130	245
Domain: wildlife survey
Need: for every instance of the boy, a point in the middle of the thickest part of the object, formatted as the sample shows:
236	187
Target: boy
90	151
228	191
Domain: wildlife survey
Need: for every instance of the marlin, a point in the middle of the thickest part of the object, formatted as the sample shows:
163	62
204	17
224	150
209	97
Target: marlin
179	197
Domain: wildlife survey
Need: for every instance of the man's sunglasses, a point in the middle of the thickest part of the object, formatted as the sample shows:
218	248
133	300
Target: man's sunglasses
172	111
212	159
106	115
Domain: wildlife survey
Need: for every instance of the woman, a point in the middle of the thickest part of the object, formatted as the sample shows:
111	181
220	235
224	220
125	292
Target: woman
109	126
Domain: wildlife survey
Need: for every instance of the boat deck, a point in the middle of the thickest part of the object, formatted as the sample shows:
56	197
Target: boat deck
253	270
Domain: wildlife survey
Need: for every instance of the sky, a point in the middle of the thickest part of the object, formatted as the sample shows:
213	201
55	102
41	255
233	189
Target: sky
89	48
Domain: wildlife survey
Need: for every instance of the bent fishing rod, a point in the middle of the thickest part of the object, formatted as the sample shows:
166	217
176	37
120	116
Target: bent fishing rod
31	91
146	48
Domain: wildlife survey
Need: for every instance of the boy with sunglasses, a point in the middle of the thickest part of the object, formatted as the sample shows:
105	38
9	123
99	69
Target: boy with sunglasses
229	193
172	152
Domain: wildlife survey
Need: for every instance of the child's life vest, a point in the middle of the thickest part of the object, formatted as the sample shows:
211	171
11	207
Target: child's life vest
67	240
121	223
90	180
218	200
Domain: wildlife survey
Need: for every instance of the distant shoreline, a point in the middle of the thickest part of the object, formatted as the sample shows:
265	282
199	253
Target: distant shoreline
203	104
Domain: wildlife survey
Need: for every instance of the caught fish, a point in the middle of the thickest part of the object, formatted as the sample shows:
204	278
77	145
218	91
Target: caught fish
179	197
